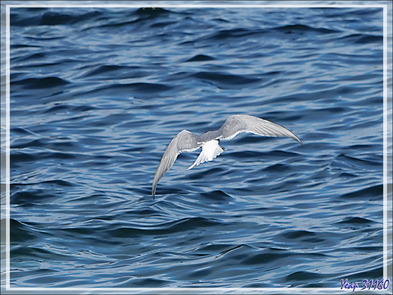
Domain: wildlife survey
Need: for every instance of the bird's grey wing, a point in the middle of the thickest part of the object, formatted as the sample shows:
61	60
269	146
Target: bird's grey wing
184	141
245	123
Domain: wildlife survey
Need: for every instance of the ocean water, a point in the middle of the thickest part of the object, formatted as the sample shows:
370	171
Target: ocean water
97	94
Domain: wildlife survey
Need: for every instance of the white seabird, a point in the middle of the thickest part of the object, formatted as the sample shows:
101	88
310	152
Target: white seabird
186	141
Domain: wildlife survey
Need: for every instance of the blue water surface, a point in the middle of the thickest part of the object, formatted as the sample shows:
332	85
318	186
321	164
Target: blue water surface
97	94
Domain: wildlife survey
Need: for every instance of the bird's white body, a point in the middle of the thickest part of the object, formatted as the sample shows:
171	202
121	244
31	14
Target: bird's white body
210	150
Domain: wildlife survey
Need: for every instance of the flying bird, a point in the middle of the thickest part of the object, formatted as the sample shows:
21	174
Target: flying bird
185	141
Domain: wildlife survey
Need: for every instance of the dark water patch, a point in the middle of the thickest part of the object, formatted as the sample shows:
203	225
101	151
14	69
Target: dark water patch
373	193
281	257
104	69
297	234
217	195
359	147
213	249
39	83
303	276
233	34
375	272
152	12
363	39
21	157
26	20
31	58
33	253
52	18
225	80
31	197
299	28
320	95
355	220
245	139
272	155
358	162
130	88
20	232
301	236
48	143
20	144
71	232
174	78
278	168
45	17
141	213
165	190
163	24
59	182
20	131
145	283
206	173
200	57
266	258
347	175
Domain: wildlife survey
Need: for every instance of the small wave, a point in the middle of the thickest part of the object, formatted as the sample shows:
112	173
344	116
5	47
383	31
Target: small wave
182	225
115	72
358	162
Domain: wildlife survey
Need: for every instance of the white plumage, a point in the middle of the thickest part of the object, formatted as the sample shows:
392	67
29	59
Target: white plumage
210	150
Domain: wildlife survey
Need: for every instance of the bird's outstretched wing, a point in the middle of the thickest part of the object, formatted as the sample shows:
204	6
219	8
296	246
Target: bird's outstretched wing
184	141
245	123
